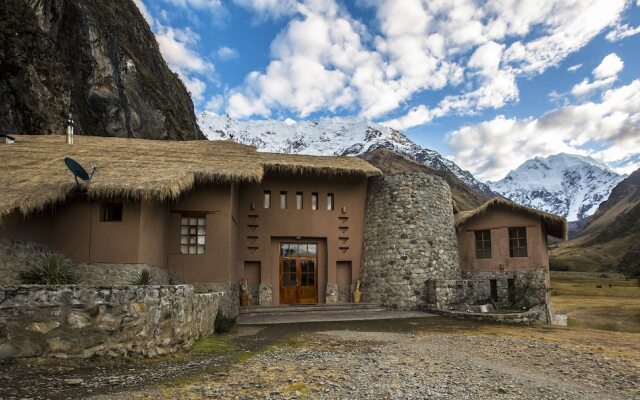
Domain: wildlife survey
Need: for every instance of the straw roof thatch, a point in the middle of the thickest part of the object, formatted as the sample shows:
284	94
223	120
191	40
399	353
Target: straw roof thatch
555	225
34	175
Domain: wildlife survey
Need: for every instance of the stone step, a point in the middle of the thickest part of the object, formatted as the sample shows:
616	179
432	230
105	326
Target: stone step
306	308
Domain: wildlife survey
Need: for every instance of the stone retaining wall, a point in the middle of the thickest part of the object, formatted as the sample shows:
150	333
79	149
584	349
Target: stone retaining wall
83	321
409	238
536	315
229	296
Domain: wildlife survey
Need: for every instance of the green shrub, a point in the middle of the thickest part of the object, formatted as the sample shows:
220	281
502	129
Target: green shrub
50	269
223	323
144	277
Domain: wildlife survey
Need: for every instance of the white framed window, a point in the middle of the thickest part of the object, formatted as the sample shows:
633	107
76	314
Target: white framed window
299	200
283	200
330	202
314	201
192	234
266	202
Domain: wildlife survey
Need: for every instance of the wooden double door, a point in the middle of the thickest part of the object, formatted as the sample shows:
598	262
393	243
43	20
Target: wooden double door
298	273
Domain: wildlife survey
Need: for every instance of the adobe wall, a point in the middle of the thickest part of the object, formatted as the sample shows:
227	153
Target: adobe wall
498	220
83	321
16	255
409	238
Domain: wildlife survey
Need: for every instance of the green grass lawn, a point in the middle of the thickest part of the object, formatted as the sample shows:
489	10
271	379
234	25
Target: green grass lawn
614	306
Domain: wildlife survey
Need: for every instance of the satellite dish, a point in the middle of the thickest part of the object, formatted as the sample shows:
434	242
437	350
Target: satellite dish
78	171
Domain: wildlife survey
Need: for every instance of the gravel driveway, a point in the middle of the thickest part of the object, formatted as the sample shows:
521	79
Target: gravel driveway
400	360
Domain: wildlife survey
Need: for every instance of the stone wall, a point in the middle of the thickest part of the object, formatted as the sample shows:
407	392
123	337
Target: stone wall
83	321
409	238
16	256
529	290
535	315
229	293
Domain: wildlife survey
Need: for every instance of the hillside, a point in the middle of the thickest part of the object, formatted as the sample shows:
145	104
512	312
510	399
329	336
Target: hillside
568	185
343	136
389	161
611	237
97	59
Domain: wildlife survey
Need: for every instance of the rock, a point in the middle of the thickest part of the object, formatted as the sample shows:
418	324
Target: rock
122	86
43	327
73	381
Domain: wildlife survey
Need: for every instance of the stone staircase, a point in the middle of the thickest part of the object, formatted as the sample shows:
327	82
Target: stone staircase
281	314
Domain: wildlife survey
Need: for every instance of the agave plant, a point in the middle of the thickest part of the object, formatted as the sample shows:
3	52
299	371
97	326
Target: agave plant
50	269
144	277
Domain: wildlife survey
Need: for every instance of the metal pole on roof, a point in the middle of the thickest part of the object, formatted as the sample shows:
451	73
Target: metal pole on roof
70	129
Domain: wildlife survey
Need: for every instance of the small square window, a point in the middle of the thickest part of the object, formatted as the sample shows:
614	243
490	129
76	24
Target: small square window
111	212
192	234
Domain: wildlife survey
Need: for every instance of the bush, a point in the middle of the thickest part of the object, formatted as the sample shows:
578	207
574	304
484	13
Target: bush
50	269
223	323
144	277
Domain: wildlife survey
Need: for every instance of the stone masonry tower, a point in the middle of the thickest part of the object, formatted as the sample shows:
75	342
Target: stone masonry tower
409	240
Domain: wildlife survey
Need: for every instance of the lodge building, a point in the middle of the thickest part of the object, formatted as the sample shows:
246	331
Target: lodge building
297	229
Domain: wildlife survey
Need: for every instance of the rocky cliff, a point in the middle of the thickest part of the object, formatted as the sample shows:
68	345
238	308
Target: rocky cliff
97	59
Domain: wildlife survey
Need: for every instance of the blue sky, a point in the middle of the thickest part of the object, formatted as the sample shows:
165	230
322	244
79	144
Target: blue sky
489	84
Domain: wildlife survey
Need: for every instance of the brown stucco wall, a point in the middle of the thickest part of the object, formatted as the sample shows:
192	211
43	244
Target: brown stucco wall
75	229
261	230
213	266
498	220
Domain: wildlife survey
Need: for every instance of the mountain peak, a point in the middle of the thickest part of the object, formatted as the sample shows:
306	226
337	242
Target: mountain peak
344	136
569	185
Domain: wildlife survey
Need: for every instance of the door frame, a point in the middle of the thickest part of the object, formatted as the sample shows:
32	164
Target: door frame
298	260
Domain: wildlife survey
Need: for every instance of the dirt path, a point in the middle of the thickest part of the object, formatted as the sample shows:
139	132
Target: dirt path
433	358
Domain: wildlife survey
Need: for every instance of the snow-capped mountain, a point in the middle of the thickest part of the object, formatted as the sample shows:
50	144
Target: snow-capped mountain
564	184
331	136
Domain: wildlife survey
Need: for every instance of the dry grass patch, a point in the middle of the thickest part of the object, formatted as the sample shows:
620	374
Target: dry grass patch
604	301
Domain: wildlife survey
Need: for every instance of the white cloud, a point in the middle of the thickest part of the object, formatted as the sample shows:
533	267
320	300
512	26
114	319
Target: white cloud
604	74
212	5
620	32
227	53
269	8
610	66
608	130
214	104
574	68
414	46
175	47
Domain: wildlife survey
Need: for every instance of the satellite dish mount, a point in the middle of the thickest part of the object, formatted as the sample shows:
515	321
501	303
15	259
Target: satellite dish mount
79	172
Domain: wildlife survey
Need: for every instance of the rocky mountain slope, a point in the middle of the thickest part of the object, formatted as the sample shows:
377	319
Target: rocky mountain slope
332	136
389	161
95	58
564	184
611	236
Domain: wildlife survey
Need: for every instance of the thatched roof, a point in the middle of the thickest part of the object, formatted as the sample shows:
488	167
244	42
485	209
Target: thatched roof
34	174
555	225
